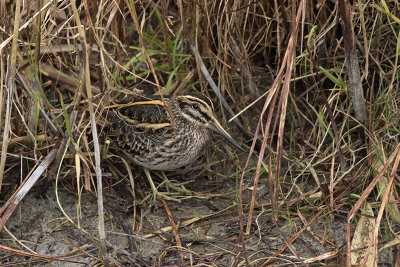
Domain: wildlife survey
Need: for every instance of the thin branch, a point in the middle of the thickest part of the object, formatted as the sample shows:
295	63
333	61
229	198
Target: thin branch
10	83
100	208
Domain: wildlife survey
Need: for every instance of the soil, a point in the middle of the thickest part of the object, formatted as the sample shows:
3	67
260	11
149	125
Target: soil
49	225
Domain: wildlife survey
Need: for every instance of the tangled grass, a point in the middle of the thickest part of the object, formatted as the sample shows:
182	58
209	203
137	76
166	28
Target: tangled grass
309	87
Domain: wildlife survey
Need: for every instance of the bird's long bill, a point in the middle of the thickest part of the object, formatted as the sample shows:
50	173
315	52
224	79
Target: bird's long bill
216	127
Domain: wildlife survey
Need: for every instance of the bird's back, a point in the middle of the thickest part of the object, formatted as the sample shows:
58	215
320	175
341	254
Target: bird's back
144	133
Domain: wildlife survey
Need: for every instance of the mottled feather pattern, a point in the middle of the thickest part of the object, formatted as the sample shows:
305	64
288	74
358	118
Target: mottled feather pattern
126	136
144	131
145	113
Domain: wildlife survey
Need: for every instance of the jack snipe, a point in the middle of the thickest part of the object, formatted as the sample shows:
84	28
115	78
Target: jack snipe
164	135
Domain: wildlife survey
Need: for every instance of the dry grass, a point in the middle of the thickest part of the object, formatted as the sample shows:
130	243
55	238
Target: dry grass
281	66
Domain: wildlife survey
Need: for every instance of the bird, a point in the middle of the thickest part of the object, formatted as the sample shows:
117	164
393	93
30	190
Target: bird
164	134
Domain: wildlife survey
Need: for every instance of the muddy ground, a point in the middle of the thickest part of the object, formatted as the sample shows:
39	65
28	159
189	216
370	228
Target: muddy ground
48	225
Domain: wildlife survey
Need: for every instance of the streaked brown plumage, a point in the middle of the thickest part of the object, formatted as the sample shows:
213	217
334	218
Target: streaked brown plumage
164	135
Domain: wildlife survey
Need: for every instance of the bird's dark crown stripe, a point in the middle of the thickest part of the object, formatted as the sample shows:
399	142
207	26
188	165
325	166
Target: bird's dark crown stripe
200	97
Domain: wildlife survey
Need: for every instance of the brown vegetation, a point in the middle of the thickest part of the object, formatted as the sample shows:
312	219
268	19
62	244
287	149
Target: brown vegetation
308	87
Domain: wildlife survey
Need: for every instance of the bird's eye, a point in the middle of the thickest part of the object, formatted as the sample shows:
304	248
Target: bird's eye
195	106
